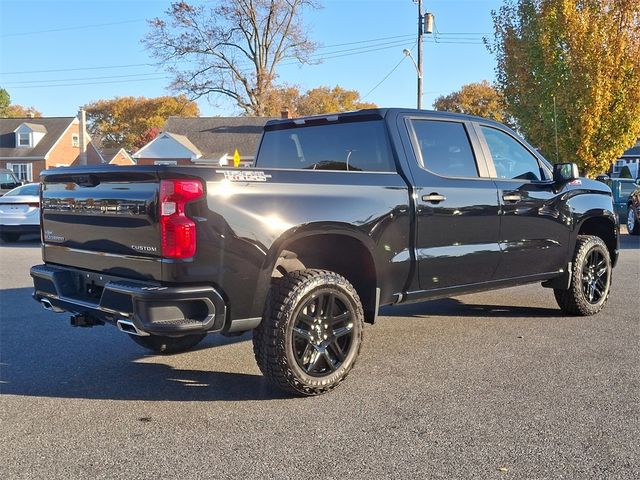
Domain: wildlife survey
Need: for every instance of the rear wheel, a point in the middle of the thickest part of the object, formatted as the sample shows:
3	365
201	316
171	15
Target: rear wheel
590	279
9	237
633	224
168	345
311	332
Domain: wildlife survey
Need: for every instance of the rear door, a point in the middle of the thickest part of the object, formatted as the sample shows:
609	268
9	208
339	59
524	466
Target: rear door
457	206
103	220
534	234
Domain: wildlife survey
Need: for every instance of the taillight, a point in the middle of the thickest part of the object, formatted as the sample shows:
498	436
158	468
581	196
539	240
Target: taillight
178	231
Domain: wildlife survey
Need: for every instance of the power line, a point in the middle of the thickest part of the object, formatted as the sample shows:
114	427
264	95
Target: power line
81	27
75	79
404	57
92	83
80	69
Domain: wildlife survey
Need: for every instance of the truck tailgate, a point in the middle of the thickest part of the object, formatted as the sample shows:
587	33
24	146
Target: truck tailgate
103	219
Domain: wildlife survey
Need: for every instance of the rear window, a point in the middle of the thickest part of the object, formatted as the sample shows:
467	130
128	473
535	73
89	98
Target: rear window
360	146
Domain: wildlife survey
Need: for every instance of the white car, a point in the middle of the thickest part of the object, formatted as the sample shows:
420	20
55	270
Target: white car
20	212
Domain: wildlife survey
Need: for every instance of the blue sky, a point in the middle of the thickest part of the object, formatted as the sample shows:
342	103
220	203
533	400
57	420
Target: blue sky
79	38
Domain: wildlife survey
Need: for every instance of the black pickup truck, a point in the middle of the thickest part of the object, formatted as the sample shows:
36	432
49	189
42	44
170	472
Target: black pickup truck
341	214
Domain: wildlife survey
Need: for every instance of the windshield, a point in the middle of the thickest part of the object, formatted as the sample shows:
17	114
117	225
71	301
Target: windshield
30	189
352	146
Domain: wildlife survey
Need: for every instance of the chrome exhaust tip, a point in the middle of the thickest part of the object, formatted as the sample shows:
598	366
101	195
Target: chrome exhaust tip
127	326
47	305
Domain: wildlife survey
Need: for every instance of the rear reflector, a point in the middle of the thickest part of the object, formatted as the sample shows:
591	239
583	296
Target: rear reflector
177	230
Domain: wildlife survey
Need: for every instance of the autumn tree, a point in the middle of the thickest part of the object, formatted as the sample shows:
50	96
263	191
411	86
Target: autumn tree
480	99
232	48
127	121
572	66
9	110
315	101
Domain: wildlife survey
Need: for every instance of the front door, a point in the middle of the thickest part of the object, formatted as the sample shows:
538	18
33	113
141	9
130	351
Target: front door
534	234
457	206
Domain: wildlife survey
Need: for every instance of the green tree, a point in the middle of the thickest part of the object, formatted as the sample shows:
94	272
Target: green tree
5	101
480	99
231	48
574	66
314	102
127	121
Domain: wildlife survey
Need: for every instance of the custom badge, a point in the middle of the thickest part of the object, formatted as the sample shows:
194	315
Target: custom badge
244	176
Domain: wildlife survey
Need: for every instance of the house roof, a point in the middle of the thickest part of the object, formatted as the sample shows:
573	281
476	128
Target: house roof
633	151
215	136
108	154
54	127
34	127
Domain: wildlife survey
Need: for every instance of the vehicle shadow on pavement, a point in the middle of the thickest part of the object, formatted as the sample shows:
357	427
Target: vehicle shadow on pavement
41	355
453	307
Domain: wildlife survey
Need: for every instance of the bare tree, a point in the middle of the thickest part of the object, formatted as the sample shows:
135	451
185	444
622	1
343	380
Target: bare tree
231	48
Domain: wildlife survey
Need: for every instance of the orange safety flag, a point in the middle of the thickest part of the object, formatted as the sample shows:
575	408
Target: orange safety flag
236	158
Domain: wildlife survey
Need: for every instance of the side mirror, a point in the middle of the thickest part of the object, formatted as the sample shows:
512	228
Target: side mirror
565	172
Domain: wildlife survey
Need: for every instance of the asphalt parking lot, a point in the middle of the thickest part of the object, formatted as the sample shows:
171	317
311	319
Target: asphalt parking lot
492	385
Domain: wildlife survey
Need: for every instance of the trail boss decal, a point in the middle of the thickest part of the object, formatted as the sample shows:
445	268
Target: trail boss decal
240	176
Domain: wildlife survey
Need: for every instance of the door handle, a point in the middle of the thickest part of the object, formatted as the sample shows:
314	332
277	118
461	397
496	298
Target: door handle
433	198
511	197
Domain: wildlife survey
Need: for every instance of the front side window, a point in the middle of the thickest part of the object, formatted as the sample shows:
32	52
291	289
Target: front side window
445	148
24	140
358	146
510	158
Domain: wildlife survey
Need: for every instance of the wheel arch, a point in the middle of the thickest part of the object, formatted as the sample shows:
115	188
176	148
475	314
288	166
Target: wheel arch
340	248
604	227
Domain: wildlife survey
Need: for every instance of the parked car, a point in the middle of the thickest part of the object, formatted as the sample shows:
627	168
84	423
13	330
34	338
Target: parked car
621	189
20	212
8	180
633	209
341	214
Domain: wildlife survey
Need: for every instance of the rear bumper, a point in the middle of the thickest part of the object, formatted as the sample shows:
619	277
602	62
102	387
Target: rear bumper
21	229
150	307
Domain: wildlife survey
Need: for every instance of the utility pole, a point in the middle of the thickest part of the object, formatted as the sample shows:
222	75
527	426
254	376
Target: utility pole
420	32
425	25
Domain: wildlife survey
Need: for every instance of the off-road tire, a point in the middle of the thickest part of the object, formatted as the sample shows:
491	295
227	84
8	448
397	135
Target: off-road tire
9	237
168	345
273	339
574	301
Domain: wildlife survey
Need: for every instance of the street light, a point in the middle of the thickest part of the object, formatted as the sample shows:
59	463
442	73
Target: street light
407	52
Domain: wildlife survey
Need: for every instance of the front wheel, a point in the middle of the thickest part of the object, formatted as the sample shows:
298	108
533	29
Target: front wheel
590	278
311	332
633	225
168	345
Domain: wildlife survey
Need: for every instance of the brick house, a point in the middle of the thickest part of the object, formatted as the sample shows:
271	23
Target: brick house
30	145
110	156
203	141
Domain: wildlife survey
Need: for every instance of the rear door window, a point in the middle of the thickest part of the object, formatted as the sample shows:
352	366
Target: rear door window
358	146
510	158
445	148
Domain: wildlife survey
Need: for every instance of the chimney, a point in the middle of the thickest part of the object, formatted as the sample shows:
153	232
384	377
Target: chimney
83	136
284	113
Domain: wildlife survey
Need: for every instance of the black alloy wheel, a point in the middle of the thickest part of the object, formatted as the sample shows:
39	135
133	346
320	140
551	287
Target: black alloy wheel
591	273
311	331
323	333
595	277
